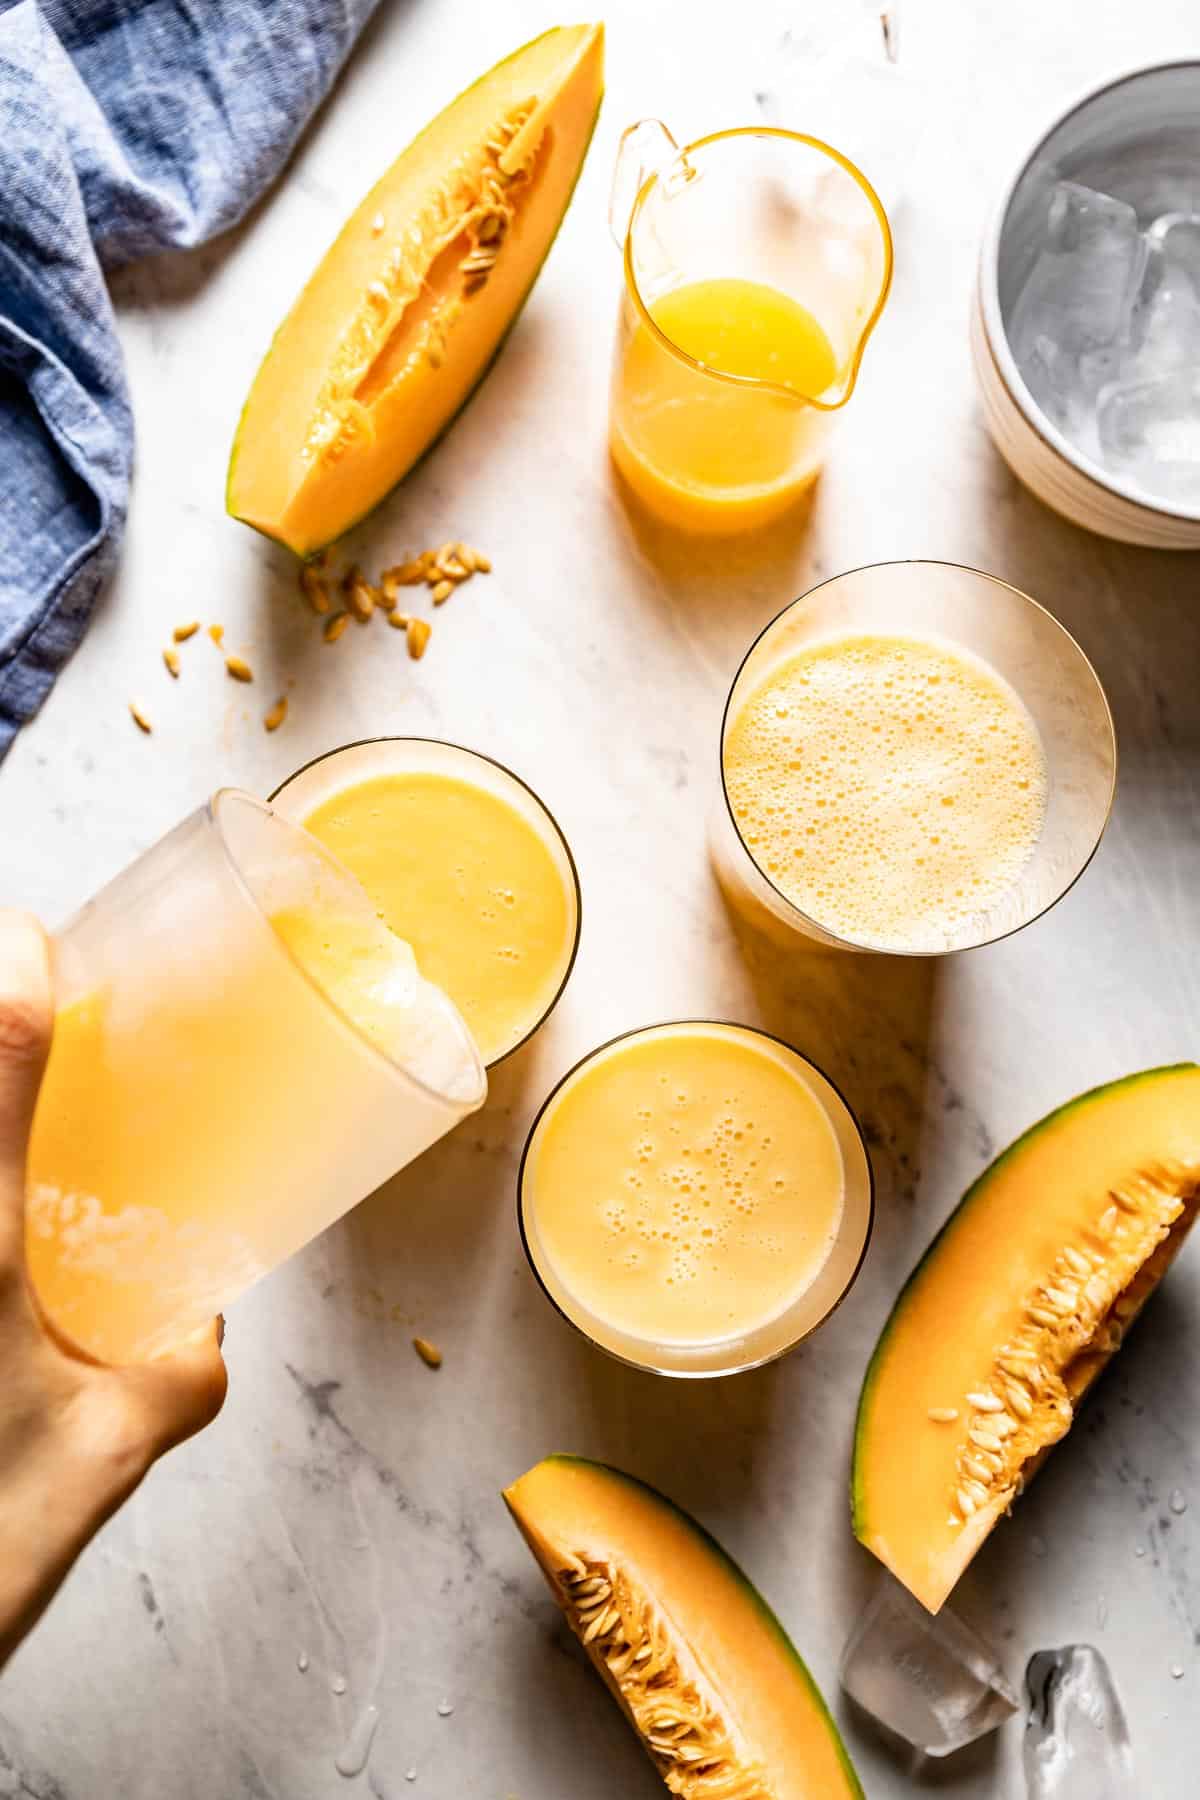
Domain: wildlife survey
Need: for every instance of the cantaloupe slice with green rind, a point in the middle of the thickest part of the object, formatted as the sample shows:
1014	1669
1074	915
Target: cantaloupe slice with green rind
408	307
695	1658
1015	1308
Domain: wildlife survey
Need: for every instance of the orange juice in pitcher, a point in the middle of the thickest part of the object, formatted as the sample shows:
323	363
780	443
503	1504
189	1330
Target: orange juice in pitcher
756	265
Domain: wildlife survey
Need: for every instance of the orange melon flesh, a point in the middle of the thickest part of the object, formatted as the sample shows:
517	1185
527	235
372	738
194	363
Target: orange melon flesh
1112	1178
392	334
567	1509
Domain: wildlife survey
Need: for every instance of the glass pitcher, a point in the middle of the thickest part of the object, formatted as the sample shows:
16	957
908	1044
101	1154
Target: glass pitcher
757	263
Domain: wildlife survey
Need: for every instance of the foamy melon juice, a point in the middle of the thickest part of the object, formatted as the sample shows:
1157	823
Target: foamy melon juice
886	782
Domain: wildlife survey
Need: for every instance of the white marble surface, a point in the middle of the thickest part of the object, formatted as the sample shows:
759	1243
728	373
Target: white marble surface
344	1508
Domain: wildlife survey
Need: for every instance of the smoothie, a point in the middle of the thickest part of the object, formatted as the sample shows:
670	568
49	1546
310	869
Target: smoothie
683	1189
463	863
892	788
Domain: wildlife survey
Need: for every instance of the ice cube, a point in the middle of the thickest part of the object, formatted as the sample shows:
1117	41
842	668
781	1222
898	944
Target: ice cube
1165	329
1177	235
1080	293
1053	378
1150	431
929	1680
1076	1739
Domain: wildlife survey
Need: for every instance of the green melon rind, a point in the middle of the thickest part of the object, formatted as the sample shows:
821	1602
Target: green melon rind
1092	1097
813	1693
486	370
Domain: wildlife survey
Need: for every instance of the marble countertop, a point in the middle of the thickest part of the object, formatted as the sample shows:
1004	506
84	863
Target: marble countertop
340	1524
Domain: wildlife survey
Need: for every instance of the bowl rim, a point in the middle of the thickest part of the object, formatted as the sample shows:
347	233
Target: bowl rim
997	336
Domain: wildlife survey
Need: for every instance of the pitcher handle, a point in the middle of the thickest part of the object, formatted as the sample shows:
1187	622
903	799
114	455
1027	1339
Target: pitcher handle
645	149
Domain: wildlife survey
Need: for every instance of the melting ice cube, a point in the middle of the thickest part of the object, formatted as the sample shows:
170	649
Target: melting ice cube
1076	1741
1081	289
1150	431
929	1680
1177	234
1165	328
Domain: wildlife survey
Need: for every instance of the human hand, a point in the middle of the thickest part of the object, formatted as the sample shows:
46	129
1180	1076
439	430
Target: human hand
75	1437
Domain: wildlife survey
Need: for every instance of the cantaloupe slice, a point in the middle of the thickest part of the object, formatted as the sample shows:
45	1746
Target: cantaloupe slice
410	304
697	1661
1011	1314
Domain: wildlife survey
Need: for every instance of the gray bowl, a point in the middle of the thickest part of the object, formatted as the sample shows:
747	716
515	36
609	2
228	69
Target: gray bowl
1124	139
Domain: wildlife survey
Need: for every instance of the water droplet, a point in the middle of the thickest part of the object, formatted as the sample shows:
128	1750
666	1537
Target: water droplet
445	1708
302	1663
338	1684
1102	1612
1176	1671
352	1758
1177	1500
410	1774
1037	1546
1139	1549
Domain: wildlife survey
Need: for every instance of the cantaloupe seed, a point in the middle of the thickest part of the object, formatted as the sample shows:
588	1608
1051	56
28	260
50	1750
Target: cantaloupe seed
667	1697
1080	1307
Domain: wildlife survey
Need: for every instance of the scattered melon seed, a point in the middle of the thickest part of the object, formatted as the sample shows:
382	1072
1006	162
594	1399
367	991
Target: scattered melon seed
334	627
277	714
313	588
139	718
482	563
398	619
171	658
943	1415
183	632
361	600
442	592
419	631
429	1353
239	668
217	634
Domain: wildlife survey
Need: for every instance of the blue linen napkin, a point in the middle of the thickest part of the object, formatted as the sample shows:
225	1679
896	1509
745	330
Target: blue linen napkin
126	127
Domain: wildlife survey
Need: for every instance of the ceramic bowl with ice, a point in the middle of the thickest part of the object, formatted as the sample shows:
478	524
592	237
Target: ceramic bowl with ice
1086	328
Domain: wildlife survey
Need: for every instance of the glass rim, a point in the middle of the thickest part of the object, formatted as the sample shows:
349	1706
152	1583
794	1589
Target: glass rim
754	382
480	756
212	810
757	1362
825	932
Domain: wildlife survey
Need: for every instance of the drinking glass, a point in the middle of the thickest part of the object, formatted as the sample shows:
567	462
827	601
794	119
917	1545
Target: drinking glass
208	1107
318	781
727	1355
1021	641
710	451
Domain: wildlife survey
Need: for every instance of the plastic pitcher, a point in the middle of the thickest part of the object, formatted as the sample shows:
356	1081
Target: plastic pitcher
757	263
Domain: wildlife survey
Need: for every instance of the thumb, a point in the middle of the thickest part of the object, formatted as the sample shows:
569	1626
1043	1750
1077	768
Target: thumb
26	1023
179	1393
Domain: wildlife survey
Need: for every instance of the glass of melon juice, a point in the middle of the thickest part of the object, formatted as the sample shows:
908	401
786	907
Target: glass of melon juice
757	264
464	862
241	1052
695	1198
916	758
